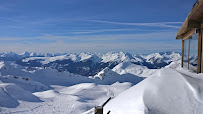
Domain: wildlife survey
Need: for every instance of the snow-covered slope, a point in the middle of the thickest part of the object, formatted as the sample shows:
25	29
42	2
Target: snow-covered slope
35	83
166	92
107	76
37	90
128	67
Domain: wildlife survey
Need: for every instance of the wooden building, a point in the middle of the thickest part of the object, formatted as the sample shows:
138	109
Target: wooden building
192	43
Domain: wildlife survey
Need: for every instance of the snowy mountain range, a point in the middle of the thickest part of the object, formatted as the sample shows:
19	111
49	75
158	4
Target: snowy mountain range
89	64
76	83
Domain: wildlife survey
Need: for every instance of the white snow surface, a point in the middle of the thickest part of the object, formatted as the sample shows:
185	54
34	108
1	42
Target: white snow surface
169	91
38	90
139	70
159	57
47	91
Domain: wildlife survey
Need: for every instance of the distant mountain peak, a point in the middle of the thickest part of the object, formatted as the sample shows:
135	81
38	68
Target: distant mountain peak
104	73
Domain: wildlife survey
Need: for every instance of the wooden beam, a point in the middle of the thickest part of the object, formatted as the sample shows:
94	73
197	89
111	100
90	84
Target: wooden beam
186	35
188	62
199	51
99	109
193	20
182	29
201	32
197	11
201	27
194	24
182	58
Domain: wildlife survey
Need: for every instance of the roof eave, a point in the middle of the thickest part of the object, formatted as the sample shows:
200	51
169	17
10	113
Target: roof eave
193	21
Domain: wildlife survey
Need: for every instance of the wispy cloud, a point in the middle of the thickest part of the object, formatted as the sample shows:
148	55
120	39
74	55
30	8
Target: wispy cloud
84	41
105	31
15	27
156	24
102	30
4	8
150	36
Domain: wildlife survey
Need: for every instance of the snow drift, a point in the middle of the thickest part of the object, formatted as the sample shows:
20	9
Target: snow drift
166	92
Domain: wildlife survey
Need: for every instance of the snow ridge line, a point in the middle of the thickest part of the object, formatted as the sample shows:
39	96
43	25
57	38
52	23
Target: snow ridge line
195	89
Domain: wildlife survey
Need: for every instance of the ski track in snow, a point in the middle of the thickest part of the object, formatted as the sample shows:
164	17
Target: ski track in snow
24	111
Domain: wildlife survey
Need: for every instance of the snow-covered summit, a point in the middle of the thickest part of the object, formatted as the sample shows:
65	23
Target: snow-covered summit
118	57
107	72
166	57
128	67
9	56
98	57
89	64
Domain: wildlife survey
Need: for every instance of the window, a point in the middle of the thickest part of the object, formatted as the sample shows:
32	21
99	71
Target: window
193	53
190	58
185	57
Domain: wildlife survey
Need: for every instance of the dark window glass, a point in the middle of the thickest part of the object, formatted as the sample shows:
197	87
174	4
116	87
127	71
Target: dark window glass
185	57
193	53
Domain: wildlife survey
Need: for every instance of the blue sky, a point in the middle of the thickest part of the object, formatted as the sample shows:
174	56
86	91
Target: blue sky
57	26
